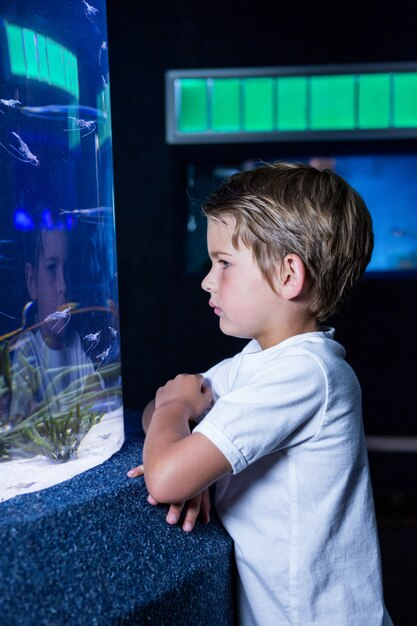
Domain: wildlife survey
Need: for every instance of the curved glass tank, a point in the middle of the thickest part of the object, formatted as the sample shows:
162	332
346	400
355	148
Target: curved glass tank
61	408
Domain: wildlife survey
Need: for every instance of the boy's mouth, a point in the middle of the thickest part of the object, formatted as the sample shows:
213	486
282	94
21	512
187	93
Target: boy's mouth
216	308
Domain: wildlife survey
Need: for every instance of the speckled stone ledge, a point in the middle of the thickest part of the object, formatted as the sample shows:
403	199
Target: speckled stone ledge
92	551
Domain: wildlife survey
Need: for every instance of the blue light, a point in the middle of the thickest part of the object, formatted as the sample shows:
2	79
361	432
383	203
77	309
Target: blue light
22	220
47	221
70	222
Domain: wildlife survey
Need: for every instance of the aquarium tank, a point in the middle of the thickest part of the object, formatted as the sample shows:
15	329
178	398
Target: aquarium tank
61	409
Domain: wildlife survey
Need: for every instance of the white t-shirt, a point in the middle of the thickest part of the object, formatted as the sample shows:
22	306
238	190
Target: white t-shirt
301	513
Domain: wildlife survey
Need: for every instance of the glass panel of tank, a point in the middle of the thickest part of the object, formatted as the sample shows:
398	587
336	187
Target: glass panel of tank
61	406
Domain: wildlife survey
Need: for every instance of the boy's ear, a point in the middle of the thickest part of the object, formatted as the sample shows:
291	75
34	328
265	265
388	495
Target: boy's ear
292	277
31	281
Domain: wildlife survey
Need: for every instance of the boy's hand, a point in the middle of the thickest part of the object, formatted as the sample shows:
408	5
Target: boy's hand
180	464
135	472
190	390
197	507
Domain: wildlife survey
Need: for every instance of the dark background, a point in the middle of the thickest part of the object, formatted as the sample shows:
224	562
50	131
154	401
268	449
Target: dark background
166	325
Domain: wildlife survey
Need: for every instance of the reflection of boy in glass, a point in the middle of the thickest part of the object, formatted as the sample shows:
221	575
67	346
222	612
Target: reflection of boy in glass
50	368
47	284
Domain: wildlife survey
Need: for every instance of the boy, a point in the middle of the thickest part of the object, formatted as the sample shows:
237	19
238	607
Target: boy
50	367
282	432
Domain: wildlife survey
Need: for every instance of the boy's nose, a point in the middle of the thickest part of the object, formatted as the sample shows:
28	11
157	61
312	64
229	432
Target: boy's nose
62	284
207	283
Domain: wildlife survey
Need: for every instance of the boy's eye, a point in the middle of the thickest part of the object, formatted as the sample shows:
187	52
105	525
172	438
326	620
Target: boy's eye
225	264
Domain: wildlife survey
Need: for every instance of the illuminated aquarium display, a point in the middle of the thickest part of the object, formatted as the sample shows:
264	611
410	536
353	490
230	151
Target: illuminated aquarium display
61	409
386	181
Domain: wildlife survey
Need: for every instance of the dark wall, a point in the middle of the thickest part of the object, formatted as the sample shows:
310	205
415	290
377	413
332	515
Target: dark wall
166	325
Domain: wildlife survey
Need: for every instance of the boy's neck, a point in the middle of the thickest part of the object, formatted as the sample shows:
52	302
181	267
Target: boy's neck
290	328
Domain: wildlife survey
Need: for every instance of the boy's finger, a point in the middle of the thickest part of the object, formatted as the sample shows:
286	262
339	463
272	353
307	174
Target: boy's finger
193	509
174	513
152	500
136	471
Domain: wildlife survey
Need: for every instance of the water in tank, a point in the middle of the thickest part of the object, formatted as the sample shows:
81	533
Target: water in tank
61	409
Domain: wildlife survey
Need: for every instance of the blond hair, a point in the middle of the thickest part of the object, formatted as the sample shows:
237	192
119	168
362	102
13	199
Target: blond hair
285	208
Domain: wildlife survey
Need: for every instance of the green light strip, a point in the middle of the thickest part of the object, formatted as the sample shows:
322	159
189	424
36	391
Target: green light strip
291	109
316	103
225	105
37	57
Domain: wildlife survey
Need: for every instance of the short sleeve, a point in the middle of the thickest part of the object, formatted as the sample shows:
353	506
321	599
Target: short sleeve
217	377
280	406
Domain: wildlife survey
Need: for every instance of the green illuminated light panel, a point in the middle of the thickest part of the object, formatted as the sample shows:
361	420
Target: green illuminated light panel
37	57
332	102
405	98
193	110
258	96
225	107
291	113
258	105
374	101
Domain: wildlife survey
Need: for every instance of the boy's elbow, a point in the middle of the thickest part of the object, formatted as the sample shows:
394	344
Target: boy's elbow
165	485
156	488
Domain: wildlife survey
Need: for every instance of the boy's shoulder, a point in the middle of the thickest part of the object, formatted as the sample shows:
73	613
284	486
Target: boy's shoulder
319	345
312	356
26	345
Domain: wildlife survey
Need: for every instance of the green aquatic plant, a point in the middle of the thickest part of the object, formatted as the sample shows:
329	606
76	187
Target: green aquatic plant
5	390
59	437
56	425
54	433
5	366
4	450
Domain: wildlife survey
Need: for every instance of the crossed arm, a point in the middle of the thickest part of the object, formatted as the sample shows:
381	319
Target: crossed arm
180	465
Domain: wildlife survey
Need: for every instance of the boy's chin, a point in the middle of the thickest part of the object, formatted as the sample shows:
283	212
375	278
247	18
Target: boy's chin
232	332
55	338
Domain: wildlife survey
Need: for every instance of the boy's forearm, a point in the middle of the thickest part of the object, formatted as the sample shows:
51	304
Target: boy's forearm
168	426
179	464
170	423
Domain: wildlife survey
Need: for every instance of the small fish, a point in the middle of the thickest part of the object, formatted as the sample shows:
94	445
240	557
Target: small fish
23	152
103	355
10	103
88	125
93	336
92	211
59	111
93	339
58	315
92	216
89	10
102	47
